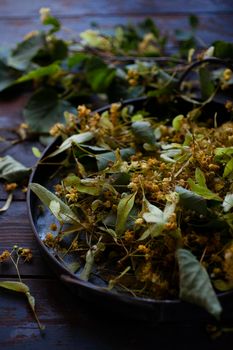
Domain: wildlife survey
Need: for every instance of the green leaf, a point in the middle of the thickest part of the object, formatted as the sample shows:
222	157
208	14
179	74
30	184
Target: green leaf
40	72
195	285
76	59
153	230
103	159
88	185
156	217
74	139
7	76
90	259
52	21
15	286
223	153
200	177
60	210
100	78
193	21
12	171
22	288
143	132
223	49
203	191
25	51
124	207
190	200
36	152
207	84
44	109
228	170
177	122
228	202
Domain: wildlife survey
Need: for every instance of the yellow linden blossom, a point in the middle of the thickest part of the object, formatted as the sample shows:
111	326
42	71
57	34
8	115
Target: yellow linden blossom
229	106
143	249
56	129
5	255
129	235
10	186
83	111
227	74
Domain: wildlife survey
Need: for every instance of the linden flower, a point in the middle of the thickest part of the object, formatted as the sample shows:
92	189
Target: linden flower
56	129
229	106
11	186
83	111
5	255
227	74
26	253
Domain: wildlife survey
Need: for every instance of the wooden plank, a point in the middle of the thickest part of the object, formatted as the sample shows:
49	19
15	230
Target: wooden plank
25	8
212	27
16	229
73	324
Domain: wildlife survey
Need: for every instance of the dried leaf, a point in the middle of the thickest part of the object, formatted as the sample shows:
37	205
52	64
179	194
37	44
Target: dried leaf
15	286
74	139
7	204
191	200
195	285
60	210
124	207
228	202
12	170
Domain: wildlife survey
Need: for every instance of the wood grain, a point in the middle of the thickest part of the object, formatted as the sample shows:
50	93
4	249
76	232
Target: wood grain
26	8
72	323
212	26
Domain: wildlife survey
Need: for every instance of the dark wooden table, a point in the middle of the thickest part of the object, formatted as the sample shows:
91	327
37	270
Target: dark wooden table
70	322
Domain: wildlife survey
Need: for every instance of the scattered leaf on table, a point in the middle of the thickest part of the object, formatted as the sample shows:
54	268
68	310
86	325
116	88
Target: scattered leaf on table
11	170
7	204
15	286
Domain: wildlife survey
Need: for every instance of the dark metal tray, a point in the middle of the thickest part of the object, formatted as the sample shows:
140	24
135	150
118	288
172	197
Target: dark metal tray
132	307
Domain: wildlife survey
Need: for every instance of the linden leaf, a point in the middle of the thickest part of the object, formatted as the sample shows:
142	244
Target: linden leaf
195	285
74	139
7	204
157	217
143	132
228	202
15	286
125	205
191	200
11	170
59	209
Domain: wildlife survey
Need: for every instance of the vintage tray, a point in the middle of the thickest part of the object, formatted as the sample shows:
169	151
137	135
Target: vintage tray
135	307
